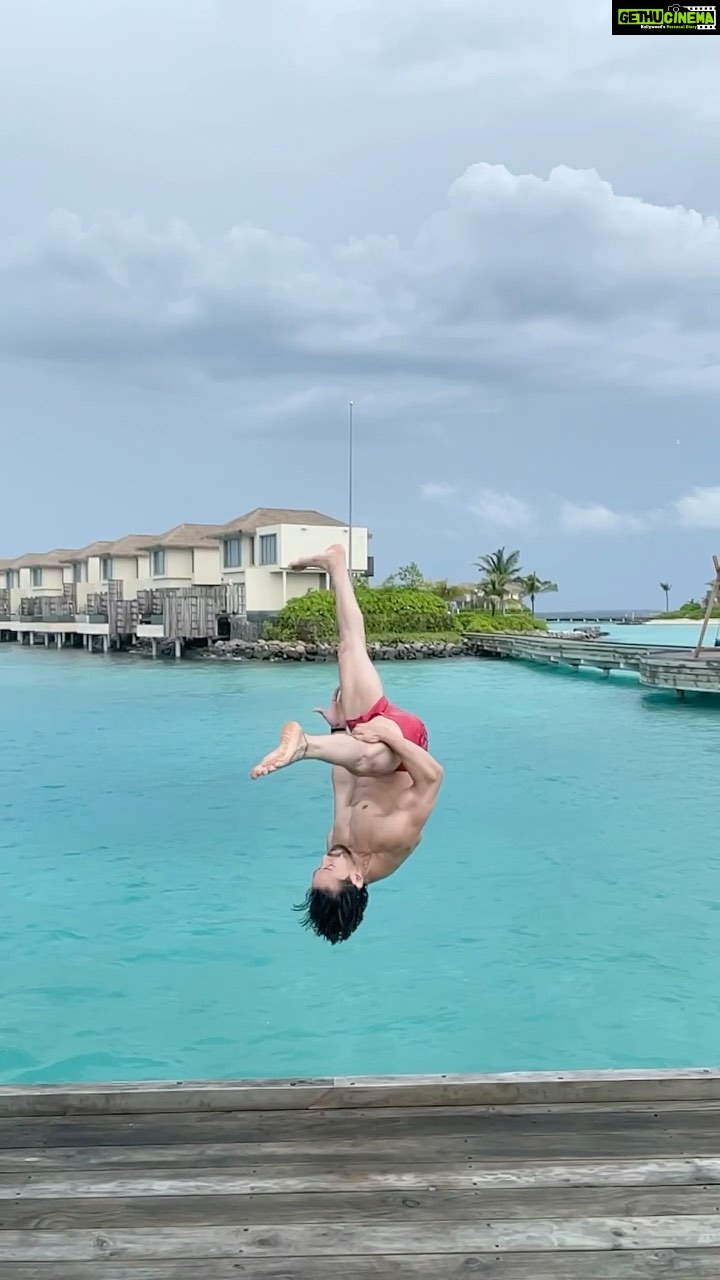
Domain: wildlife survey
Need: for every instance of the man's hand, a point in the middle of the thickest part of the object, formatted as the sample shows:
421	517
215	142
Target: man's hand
334	714
380	730
425	772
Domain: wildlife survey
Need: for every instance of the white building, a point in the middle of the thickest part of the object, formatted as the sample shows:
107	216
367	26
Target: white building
257	549
252	553
186	556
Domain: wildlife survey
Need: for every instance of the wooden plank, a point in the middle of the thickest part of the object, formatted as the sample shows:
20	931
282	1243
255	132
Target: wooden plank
369	1207
223	1154
421	1155
501	1131
429	1149
702	1084
363	1176
603	1111
161	1096
522	1236
655	1265
693	1264
608	1117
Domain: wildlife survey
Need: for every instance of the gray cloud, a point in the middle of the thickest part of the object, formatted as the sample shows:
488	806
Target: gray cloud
300	220
554	281
698	509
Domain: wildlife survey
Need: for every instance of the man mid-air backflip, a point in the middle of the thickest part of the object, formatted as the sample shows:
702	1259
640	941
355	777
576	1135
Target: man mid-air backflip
385	782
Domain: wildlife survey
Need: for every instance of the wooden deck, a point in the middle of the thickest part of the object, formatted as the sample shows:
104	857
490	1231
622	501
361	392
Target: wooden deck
602	1176
659	668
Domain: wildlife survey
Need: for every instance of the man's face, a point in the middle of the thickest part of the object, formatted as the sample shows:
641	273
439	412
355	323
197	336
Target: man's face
336	870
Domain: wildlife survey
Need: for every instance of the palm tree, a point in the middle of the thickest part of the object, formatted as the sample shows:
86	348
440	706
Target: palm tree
534	586
494	590
501	561
667	588
500	570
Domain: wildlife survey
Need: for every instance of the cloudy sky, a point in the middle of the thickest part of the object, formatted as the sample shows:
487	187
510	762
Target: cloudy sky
493	228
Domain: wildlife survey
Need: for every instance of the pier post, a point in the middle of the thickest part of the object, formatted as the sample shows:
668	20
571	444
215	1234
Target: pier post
106	643
32	637
178	649
154	647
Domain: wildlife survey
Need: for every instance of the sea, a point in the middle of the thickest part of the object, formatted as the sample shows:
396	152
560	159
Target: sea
562	911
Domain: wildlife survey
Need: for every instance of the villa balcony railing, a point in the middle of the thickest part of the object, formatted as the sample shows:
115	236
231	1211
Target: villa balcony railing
223	598
186	613
48	608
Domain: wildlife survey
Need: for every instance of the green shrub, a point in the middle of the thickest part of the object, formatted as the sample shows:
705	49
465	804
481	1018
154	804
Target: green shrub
692	611
397	611
483	621
404	610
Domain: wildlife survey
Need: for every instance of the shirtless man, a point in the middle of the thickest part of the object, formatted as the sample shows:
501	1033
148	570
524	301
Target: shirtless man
385	782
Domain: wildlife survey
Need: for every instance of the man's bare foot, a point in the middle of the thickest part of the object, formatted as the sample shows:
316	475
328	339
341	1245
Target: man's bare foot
331	560
292	747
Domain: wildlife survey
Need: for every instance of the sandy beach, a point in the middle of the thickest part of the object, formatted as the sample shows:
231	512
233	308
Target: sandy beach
675	622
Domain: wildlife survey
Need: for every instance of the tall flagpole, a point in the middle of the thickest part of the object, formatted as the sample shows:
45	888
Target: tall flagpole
350	491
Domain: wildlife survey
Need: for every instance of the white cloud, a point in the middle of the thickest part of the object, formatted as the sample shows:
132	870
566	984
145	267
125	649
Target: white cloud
699	509
518	279
433	491
596	518
501	509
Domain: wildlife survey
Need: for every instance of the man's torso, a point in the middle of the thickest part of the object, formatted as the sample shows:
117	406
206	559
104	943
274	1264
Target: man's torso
375	818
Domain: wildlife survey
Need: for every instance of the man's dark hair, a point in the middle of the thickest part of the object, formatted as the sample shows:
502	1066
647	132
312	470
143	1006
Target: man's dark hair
334	916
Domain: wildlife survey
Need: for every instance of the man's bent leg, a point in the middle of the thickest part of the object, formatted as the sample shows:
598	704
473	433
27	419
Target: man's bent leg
364	759
360	684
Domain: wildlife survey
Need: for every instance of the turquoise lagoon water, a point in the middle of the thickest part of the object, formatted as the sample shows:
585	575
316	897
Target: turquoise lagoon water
656	633
562	912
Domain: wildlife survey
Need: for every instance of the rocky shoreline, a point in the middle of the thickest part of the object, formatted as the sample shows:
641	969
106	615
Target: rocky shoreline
298	651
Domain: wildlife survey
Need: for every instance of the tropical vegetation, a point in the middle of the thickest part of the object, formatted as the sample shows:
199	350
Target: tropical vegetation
534	586
409	607
666	588
503	584
388	611
408	575
484	621
691	611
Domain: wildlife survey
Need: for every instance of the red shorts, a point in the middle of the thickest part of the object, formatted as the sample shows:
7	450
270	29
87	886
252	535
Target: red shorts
413	729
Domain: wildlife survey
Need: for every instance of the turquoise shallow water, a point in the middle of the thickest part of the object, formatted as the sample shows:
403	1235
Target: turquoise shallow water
562	912
669	633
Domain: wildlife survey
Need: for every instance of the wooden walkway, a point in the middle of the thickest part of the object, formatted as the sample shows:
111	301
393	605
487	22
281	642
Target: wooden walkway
604	1176
660	668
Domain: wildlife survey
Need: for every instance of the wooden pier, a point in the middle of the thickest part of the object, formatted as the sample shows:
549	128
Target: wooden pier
167	619
585	1176
660	668
626	617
